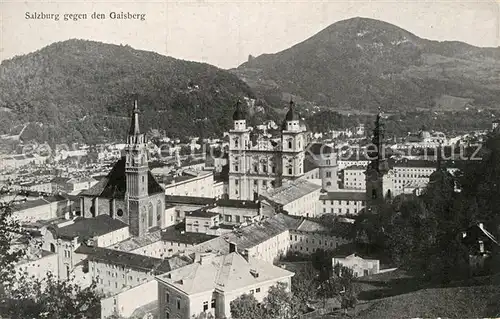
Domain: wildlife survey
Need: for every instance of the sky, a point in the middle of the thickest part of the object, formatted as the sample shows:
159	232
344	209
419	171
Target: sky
224	33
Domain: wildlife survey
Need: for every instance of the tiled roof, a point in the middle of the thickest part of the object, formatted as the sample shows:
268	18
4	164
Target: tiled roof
226	273
85	228
236	203
134	243
201	213
290	191
309	165
189	200
38	202
354	196
131	260
249	236
176	233
114	185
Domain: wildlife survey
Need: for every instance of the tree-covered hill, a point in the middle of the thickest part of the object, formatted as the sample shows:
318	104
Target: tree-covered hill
80	90
362	63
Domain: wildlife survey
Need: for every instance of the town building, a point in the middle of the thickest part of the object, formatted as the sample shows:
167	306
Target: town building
360	266
210	284
298	198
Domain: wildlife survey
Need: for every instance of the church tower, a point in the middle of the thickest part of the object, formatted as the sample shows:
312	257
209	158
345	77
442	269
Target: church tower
293	144
239	141
136	175
379	182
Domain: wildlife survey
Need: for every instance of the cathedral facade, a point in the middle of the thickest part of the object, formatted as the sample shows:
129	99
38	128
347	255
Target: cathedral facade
129	192
258	163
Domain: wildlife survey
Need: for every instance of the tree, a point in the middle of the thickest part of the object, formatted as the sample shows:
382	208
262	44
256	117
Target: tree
28	297
304	285
280	303
245	307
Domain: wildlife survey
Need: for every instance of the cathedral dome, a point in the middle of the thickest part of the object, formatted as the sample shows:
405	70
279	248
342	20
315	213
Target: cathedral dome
239	114
291	115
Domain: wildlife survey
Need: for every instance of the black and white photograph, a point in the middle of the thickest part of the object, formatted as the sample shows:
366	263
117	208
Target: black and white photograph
249	159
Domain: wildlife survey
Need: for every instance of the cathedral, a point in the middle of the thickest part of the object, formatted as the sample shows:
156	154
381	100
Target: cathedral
129	192
260	162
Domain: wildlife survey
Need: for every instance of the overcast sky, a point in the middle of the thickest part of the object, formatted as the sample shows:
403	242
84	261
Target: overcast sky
224	33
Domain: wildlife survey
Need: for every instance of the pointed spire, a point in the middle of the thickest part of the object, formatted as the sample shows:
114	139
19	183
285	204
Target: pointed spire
439	159
134	125
291	115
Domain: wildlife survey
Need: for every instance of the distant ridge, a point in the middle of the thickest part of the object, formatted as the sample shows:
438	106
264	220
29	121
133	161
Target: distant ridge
79	90
361	63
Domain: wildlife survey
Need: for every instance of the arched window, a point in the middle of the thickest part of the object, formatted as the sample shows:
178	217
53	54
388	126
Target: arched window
290	143
159	212
52	248
150	215
374	194
389	194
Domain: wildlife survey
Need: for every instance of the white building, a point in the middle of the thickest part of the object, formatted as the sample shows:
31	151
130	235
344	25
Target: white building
360	266
212	282
298	198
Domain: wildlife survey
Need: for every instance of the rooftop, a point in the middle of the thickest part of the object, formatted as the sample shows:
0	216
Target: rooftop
291	191
114	185
85	228
227	273
353	196
131	260
176	233
249	236
134	243
201	213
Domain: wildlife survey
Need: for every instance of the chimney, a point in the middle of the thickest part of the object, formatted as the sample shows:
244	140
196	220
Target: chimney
246	255
206	258
232	248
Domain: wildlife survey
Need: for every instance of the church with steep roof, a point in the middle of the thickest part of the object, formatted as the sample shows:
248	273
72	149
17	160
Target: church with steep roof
129	192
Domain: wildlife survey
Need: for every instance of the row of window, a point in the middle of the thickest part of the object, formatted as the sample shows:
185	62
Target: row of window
313	241
341	202
340	211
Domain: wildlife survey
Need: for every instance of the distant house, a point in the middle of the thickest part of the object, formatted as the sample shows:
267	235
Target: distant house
359	265
481	246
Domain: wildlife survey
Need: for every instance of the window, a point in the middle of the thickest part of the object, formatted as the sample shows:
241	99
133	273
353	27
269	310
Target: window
252	291
212	305
255	183
328	174
205	305
119	212
290	171
167	315
264	168
273	169
328	162
235	168
257	290
167	297
255	168
178	303
290	144
237	217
